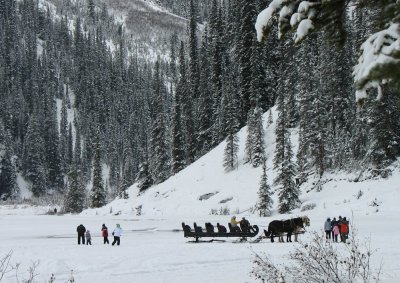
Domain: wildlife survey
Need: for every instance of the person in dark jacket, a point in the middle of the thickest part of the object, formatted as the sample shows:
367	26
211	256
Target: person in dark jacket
104	233
245	226
81	234
221	228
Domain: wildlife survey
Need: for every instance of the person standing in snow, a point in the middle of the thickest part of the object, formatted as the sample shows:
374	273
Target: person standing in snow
333	223
117	235
81	234
340	222
328	228
88	238
104	233
335	231
344	230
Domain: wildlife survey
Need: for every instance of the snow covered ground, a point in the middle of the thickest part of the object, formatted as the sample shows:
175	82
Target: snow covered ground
153	248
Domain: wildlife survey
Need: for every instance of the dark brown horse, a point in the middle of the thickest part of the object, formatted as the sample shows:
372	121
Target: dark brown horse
277	228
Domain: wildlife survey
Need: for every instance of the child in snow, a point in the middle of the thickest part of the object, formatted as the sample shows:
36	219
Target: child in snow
335	231
104	233
88	238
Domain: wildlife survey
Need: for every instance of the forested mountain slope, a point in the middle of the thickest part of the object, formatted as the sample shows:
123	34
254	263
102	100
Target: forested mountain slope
95	101
146	19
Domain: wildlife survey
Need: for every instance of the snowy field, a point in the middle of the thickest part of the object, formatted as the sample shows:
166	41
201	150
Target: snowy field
152	250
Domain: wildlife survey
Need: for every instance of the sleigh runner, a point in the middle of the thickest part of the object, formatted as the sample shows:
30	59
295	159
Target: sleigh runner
198	232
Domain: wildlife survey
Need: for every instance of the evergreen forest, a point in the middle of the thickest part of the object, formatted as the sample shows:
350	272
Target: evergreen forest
86	110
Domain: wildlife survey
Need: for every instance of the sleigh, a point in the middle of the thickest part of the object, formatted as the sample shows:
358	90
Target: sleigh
198	232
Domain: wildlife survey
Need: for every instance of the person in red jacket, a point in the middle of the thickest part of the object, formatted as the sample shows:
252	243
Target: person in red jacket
344	229
104	233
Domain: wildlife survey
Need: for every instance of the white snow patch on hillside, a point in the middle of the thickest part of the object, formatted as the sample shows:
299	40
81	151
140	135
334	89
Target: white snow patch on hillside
24	187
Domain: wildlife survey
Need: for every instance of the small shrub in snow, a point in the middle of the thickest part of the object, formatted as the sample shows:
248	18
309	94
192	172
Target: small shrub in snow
221	211
381	173
320	261
308	206
71	278
224	211
375	203
359	194
266	271
7	267
139	210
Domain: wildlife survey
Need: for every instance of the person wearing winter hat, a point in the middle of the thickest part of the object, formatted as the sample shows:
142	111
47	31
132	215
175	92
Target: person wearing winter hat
335	232
328	228
344	230
117	233
104	233
334	223
81	234
88	238
340	222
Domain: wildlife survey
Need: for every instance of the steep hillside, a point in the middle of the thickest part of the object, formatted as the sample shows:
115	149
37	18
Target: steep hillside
147	22
204	188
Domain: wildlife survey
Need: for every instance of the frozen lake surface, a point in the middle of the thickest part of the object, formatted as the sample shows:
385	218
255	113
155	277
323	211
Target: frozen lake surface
154	250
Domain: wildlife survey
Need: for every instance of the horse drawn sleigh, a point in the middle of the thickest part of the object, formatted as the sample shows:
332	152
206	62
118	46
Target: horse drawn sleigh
198	232
276	228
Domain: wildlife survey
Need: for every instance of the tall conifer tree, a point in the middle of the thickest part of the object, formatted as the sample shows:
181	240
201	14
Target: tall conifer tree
98	194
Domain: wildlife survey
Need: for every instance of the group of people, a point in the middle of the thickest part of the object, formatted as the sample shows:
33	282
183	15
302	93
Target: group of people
334	228
85	234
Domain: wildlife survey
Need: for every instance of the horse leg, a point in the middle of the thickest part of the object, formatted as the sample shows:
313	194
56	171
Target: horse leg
296	234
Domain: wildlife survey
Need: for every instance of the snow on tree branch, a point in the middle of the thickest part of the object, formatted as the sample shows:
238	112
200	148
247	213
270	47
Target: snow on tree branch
264	19
289	18
379	60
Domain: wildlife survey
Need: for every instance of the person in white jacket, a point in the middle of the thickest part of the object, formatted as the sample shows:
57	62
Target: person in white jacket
117	233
